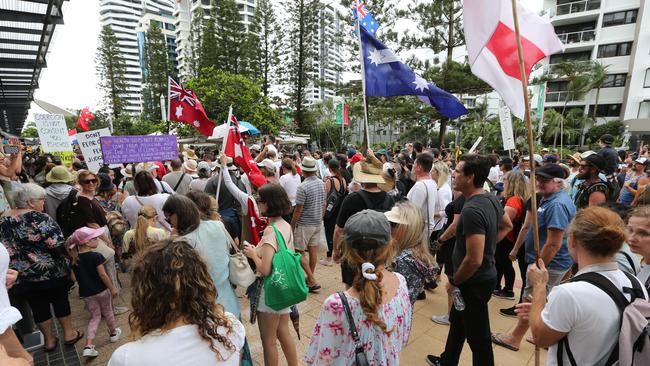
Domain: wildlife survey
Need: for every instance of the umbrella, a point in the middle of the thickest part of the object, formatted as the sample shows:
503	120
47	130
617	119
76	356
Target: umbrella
221	131
251	129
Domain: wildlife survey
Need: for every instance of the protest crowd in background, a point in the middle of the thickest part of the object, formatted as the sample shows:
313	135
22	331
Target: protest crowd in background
398	222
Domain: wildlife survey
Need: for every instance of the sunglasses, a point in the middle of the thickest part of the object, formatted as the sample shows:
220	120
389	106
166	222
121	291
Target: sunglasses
89	181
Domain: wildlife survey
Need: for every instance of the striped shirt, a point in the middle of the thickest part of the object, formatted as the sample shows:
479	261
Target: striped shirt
311	195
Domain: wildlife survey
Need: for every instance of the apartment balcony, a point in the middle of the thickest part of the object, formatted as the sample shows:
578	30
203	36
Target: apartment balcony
575	12
552	69
578	41
555	97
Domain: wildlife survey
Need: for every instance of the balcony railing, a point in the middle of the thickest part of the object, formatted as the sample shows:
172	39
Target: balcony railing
577	7
559	96
577	37
552	69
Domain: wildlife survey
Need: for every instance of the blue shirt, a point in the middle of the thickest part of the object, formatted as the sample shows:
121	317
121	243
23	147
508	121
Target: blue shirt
554	212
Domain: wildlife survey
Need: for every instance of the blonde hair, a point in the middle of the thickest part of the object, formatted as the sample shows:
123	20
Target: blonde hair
515	185
443	172
140	239
641	211
413	234
599	230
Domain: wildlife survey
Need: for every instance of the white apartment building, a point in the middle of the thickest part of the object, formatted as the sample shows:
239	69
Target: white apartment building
616	33
184	12
123	16
328	60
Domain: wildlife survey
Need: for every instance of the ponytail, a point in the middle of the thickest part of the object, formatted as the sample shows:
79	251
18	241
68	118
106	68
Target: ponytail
140	239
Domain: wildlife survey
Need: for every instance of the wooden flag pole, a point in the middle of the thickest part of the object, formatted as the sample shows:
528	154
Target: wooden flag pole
363	82
531	146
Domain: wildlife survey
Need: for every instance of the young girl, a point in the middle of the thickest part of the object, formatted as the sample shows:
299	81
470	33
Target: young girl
143	234
95	286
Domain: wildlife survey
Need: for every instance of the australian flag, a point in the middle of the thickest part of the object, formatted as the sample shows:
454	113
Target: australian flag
362	14
387	76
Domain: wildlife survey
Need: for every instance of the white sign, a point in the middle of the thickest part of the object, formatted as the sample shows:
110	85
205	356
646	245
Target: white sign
506	127
52	132
478	141
91	148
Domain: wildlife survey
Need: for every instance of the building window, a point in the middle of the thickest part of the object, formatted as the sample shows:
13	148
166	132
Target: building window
644	109
608	110
615	49
646	82
615	80
619	18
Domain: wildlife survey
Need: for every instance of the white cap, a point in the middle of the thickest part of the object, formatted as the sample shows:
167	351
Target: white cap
268	164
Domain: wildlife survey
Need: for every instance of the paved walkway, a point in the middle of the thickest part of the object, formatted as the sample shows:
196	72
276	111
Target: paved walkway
426	336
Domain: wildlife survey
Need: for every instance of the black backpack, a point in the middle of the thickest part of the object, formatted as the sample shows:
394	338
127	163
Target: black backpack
334	199
66	211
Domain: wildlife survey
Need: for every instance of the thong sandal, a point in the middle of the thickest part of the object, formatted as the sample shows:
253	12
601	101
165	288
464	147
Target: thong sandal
76	339
496	339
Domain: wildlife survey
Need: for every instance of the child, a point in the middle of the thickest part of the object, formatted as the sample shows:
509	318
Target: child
142	235
95	286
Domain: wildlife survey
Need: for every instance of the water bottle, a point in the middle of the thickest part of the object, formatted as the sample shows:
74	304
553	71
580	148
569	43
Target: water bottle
457	297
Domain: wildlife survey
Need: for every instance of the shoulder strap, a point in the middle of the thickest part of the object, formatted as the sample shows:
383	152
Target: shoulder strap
631	262
606	286
177	183
348	314
279	238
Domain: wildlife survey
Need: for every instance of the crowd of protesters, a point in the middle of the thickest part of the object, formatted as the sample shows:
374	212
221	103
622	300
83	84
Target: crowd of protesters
397	222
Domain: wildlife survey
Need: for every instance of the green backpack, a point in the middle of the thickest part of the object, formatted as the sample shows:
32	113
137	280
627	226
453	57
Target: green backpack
285	285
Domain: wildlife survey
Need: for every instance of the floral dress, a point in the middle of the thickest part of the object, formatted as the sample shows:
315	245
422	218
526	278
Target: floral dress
332	343
415	272
35	244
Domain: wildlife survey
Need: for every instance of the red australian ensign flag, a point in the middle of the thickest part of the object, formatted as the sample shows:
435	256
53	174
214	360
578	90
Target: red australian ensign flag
492	46
185	107
84	119
237	150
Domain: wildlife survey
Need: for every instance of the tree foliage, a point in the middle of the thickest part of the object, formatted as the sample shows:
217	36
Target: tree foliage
614	128
111	71
158	69
230	35
270	43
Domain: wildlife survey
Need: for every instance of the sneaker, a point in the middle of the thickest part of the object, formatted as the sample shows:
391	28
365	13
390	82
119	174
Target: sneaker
118	310
508	312
441	319
434	360
90	351
504	294
116	337
326	262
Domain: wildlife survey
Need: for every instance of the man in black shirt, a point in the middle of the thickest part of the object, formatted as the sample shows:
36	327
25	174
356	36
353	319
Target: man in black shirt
368	173
608	153
482	224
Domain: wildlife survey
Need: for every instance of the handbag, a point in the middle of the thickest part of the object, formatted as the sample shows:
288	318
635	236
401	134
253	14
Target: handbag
360	358
240	272
285	285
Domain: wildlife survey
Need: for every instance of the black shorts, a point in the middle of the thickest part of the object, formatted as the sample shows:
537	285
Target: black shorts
39	301
443	257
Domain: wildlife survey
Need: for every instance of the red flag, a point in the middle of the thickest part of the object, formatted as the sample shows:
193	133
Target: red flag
84	119
237	150
185	107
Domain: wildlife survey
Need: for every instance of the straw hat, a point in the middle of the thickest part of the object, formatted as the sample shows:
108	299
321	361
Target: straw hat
59	174
308	164
190	154
190	165
394	216
575	156
368	170
390	182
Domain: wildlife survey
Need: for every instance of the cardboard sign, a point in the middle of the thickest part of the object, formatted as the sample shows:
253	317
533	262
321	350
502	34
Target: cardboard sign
67	157
52	132
507	134
138	149
91	147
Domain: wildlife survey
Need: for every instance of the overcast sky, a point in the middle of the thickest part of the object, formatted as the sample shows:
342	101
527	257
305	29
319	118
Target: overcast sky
70	81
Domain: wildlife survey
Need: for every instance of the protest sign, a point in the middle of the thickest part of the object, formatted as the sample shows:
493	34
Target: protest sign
67	157
52	132
137	149
91	148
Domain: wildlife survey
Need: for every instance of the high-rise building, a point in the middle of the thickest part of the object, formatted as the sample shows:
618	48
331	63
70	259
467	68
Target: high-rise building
615	33
184	13
167	27
123	16
328	61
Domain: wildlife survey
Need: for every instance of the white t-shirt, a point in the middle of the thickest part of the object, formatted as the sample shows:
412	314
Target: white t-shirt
444	197
495	174
131	206
290	184
588	315
9	315
418	195
180	346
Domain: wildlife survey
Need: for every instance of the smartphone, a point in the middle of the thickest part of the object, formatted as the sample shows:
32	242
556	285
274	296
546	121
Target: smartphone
10	149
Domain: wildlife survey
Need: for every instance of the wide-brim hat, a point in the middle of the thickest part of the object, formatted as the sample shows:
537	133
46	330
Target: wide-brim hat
128	171
308	164
395	217
190	154
575	157
389	184
368	170
190	165
59	174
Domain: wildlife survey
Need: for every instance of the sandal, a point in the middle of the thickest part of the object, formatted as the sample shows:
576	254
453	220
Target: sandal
76	339
314	289
56	343
496	339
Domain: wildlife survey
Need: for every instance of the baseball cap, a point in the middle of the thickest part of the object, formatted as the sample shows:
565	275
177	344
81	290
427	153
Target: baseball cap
642	160
356	158
538	158
596	161
505	161
551	171
256	147
367	229
351	151
607	139
268	164
550	159
83	235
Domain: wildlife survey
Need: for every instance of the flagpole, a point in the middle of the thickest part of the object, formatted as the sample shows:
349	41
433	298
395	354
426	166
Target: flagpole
223	151
531	146
169	104
363	80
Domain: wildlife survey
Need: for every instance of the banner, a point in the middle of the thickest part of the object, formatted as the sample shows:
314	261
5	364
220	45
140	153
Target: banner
342	114
138	149
540	102
505	118
91	148
52	132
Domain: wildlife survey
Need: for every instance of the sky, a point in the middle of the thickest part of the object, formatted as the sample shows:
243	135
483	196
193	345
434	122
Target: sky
70	79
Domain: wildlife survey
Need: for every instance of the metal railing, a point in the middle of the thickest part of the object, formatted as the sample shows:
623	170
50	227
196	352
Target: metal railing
559	96
577	37
577	7
553	68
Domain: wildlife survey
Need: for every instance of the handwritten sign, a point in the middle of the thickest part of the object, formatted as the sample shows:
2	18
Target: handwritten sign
67	157
91	147
506	127
138	149
52	132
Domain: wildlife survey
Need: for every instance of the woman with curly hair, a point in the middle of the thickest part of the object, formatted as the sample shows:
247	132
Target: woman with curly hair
378	300
175	321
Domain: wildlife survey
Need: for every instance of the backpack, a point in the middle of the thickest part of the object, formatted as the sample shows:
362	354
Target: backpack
633	345
116	224
385	205
65	212
334	199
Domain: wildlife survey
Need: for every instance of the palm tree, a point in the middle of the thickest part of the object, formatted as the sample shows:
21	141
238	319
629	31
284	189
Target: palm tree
552	123
598	78
577	73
